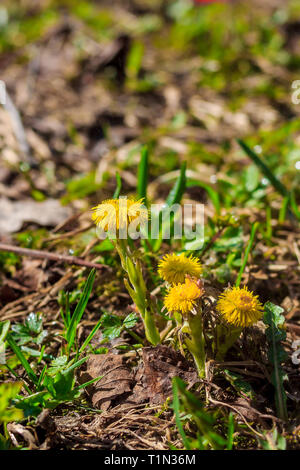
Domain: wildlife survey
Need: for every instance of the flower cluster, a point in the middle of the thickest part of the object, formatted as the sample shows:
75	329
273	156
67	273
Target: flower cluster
237	307
182	272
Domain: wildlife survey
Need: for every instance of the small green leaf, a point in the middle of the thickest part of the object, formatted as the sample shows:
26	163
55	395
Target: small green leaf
241	386
131	320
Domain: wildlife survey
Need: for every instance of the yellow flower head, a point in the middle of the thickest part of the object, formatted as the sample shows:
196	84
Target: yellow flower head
173	268
116	214
183	297
240	307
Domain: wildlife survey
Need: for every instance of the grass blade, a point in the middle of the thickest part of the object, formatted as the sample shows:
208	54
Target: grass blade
230	433
13	345
90	382
118	187
143	175
275	333
176	193
247	252
176	408
90	336
75	365
174	197
80	308
293	204
264	168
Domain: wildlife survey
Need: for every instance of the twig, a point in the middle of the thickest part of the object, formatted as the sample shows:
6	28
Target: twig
61	236
213	240
50	256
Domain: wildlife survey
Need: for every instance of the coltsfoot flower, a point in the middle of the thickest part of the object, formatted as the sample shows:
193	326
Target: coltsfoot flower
116	214
240	307
173	268
183	297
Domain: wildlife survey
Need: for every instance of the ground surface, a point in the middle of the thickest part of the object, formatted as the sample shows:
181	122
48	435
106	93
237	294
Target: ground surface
92	83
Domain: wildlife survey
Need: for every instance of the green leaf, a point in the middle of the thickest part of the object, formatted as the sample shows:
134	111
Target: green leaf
143	175
33	405
4	329
241	386
275	333
134	60
9	391
34	323
80	187
273	441
30	331
57	365
203	419
131	320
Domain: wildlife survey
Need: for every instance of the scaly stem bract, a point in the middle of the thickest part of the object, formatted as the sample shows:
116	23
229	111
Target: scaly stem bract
137	290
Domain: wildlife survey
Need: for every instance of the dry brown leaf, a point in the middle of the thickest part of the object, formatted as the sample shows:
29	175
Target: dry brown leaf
154	378
14	213
116	381
19	430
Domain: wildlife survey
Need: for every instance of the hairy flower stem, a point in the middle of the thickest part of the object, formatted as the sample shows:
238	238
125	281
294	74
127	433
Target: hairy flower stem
137	290
226	336
196	342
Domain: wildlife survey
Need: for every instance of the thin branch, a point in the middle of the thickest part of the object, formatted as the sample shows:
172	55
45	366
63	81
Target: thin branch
213	240
50	256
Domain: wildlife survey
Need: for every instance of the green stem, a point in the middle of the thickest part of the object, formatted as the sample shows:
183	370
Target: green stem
135	336
165	334
196	342
226	337
151	331
138	291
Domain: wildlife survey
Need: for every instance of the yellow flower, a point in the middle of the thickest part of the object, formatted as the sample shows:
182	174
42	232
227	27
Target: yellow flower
183	297
115	214
240	307
173	268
